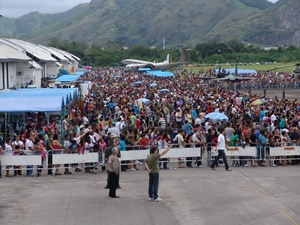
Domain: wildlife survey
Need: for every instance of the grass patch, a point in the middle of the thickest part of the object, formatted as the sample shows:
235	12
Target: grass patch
277	67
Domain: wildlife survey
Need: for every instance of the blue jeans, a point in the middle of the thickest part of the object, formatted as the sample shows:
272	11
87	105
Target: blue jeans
100	155
153	185
221	153
260	154
208	158
29	170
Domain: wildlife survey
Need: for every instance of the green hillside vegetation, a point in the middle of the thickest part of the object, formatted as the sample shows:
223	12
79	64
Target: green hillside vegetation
135	22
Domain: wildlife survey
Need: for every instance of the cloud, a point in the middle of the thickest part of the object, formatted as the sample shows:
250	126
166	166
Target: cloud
16	8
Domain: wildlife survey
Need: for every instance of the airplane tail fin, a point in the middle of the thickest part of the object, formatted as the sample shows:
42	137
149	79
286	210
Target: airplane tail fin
168	59
185	55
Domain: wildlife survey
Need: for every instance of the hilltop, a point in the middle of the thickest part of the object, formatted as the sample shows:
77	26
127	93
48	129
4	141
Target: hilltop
189	22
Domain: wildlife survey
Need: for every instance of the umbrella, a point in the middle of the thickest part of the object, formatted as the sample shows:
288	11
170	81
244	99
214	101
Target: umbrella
216	116
258	102
153	85
143	100
138	82
164	90
87	67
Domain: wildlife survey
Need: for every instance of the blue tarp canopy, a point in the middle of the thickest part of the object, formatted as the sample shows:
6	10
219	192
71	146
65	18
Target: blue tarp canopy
36	100
78	73
241	71
144	69
68	78
159	73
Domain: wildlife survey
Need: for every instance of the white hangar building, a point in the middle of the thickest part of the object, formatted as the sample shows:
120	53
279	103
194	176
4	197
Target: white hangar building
23	63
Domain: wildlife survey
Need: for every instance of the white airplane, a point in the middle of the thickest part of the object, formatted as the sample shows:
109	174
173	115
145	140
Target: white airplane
135	64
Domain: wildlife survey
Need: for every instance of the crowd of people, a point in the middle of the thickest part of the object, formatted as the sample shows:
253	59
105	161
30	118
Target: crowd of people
133	111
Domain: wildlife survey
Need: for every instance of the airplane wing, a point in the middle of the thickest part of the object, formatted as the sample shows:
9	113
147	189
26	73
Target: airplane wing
206	78
233	78
224	78
243	78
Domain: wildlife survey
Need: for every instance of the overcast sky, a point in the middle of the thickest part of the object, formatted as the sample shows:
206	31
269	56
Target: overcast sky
16	8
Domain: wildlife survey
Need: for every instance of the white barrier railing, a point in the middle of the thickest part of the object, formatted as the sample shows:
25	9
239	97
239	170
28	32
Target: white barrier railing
285	151
21	160
172	153
91	157
36	160
236	151
252	151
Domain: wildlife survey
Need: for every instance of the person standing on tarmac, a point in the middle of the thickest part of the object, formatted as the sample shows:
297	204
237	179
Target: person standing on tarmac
221	145
152	165
114	168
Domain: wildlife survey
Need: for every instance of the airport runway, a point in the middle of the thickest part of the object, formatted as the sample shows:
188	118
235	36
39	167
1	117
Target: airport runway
191	196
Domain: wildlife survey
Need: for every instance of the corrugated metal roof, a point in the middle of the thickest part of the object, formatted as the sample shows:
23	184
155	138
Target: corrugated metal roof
10	54
33	49
55	52
67	54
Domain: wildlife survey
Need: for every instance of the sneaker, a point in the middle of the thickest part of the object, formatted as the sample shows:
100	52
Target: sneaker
157	199
246	165
133	169
228	169
274	165
150	199
199	166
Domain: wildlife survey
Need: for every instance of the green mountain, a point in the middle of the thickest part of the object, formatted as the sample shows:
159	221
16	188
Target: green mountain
133	22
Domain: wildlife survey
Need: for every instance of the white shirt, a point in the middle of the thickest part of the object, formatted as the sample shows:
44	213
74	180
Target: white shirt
273	118
28	145
8	150
115	131
180	140
67	143
194	138
85	120
207	126
20	143
221	142
197	121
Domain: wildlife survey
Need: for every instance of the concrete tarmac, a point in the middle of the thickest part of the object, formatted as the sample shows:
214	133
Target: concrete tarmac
191	196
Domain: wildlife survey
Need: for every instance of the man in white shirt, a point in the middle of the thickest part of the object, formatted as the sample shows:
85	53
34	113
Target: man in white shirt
196	138
221	150
114	130
207	125
29	151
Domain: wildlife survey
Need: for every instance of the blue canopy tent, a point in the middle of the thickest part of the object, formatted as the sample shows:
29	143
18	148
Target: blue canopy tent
36	100
68	93
68	78
46	100
159	73
32	104
144	69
